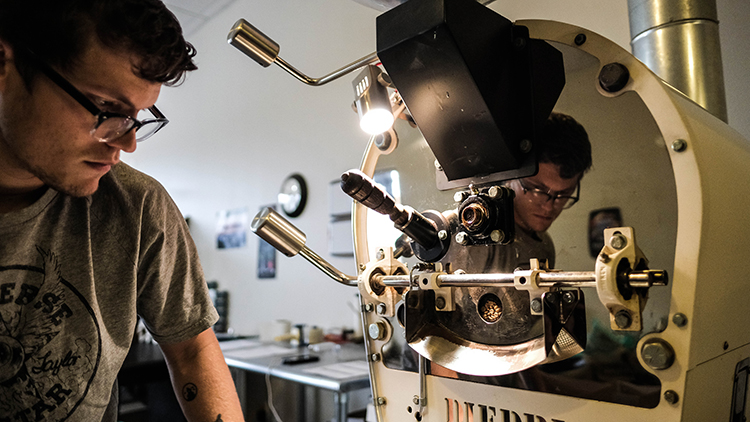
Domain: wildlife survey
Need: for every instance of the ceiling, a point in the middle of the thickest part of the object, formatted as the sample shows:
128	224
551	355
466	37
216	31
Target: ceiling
192	14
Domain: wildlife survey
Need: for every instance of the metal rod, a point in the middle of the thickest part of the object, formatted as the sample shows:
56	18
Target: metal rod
327	268
364	61
577	279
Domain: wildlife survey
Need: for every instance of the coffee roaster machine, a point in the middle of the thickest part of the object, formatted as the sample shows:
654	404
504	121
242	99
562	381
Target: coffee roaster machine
652	328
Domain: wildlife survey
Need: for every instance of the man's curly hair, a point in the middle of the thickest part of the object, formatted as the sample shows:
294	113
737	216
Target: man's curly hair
564	142
59	31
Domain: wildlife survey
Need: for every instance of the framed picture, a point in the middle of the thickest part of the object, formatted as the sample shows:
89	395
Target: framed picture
266	256
231	228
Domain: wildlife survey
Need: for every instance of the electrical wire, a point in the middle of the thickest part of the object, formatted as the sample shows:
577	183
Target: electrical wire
270	394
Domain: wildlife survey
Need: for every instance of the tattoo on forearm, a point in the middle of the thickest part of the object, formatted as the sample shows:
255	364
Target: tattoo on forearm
189	392
219	419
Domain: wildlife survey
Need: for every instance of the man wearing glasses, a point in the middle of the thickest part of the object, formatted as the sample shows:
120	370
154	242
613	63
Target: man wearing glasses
564	155
88	244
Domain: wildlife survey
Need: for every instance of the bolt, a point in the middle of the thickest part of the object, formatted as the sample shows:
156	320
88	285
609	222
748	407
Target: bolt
623	319
497	236
440	302
525	146
376	330
462	238
375	357
671	397
679	319
380	401
367	307
657	354
536	305
381	308
569	297
493	192
382	141
380	255
442	235
613	77
415	399
679	145
459	196
618	241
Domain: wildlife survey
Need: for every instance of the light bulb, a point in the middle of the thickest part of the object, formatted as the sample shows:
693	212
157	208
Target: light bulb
376	121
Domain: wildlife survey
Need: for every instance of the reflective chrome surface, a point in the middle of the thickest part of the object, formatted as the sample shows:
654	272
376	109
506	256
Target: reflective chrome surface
280	233
679	41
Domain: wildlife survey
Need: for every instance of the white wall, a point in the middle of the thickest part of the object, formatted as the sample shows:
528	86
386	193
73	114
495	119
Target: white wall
237	130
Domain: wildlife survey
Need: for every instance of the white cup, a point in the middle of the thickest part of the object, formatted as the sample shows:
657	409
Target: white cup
269	331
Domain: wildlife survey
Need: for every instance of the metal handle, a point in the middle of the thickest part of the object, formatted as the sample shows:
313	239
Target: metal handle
289	240
256	45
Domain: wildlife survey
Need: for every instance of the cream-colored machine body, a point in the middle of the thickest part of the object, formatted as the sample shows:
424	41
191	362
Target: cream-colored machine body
694	224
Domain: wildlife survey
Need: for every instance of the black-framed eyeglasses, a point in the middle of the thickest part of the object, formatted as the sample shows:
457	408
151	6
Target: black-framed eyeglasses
542	196
109	125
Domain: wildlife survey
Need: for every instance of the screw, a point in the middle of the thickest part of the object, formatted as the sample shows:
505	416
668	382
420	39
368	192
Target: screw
380	255
440	302
375	357
459	196
493	192
519	43
497	236
525	146
381	308
367	307
604	257
438	166
415	399
679	145
623	319
569	297
580	39
657	354
551	298
442	235
462	238
381	401
679	319
618	241
536	305
362	267
671	397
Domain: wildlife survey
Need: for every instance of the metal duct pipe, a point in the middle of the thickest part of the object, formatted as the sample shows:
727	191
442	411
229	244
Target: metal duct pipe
679	41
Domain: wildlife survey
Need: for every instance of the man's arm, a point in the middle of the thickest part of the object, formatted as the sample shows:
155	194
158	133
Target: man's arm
201	379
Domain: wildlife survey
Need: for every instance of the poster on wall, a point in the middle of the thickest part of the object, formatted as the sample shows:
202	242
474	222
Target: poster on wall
266	256
231	228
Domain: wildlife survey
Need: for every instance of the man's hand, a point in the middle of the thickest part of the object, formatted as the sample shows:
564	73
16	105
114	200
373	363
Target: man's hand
201	379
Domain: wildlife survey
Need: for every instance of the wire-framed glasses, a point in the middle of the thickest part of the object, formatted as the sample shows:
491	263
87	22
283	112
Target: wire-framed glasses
109	125
541	196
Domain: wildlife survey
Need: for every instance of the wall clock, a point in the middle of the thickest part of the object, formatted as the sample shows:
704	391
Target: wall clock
293	195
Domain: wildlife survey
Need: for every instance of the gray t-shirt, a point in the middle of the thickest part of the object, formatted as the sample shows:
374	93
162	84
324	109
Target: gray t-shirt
75	274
